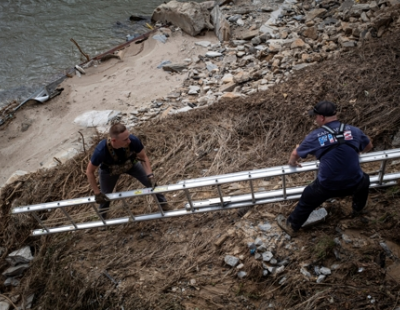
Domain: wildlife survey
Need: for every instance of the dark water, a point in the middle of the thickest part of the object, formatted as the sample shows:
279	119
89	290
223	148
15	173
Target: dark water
35	37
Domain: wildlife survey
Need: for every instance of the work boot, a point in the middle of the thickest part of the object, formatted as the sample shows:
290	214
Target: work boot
285	225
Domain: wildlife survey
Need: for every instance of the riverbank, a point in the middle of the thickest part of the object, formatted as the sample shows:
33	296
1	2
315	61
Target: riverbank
41	132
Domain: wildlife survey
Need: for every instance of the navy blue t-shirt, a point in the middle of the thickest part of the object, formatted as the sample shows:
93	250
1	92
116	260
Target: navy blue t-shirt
102	155
340	166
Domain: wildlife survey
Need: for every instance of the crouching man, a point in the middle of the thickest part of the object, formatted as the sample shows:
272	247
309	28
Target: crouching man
120	153
337	147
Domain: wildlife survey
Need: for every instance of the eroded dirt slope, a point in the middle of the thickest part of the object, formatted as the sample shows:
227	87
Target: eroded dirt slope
174	264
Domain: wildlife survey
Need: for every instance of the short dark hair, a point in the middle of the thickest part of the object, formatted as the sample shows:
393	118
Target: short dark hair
325	108
116	129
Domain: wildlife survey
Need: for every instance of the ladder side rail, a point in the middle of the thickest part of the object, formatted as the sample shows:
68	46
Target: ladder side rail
363	158
176	213
310	166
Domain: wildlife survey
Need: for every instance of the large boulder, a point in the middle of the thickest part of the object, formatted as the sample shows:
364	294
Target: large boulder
191	17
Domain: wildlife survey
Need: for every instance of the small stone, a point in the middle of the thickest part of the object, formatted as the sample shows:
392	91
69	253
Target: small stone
256	41
282	281
241	274
325	271
231	260
15	271
321	278
258	242
279	269
211	67
267	256
240	54
240	22
247	35
304	272
346	238
273	261
227	78
11	281
227	87
298	43
315	13
265	226
262	248
203	43
265	273
194	90
212	54
257	256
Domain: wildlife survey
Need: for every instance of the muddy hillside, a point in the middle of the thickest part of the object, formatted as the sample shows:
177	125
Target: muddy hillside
179	263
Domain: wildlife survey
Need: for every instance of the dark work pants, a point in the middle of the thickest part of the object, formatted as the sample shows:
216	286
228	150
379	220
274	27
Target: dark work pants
314	195
108	182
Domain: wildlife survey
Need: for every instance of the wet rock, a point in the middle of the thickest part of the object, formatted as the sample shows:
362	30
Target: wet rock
21	256
191	17
15	271
231	260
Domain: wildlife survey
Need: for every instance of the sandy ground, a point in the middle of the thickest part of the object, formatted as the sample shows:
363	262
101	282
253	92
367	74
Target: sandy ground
51	130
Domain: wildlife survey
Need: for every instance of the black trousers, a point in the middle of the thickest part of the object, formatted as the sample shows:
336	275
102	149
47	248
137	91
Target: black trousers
314	195
108	182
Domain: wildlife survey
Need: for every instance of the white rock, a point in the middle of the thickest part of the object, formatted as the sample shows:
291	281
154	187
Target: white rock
184	109
321	278
240	22
4	305
231	260
23	255
96	118
212	54
194	90
325	271
15	176
203	43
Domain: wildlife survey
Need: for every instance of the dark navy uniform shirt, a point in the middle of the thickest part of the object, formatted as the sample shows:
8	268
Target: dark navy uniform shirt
102	155
340	166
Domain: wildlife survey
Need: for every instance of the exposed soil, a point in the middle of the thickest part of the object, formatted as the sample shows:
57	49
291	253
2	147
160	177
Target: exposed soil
173	263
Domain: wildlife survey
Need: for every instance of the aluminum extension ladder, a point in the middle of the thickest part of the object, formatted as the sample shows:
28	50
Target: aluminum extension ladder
187	188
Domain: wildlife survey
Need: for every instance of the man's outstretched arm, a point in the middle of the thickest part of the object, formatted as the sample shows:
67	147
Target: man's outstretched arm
91	178
293	160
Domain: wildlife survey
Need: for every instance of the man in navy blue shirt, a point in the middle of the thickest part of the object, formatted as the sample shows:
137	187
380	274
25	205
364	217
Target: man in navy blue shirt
120	153
339	172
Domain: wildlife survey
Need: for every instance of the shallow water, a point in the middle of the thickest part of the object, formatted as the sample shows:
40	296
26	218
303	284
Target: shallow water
35	37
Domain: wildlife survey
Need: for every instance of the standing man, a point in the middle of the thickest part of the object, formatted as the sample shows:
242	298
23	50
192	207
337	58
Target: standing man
119	154
337	147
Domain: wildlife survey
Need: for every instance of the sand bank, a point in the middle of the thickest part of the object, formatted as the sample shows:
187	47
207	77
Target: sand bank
41	131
